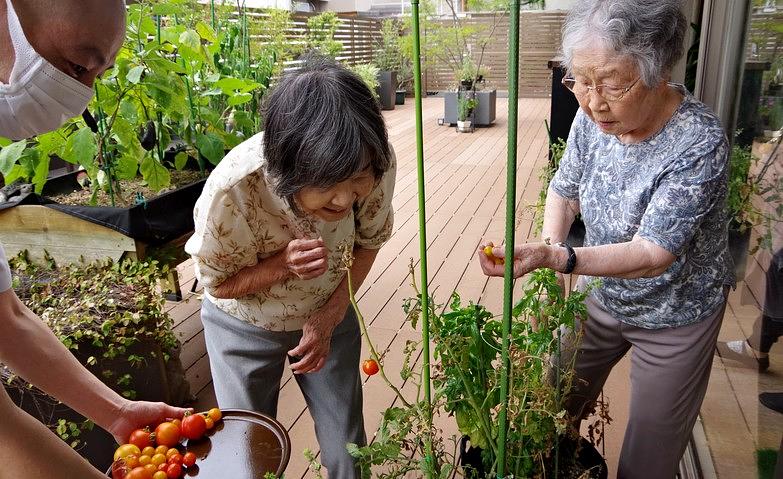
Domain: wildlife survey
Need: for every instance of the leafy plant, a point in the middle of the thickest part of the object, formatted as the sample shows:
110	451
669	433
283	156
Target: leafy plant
99	311
466	380
465	107
177	82
755	194
453	40
387	52
321	30
369	75
556	149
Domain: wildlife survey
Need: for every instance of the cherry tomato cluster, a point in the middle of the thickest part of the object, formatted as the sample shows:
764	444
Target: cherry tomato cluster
154	455
489	251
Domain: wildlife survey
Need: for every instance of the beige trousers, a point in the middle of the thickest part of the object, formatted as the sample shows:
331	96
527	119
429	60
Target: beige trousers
670	369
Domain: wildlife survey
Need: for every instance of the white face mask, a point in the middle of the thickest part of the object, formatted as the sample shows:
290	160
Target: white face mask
38	97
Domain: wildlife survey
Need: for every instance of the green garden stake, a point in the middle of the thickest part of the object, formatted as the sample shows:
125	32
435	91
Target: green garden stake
511	193
425	308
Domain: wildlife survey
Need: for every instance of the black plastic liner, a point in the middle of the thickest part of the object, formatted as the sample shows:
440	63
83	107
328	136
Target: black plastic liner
159	220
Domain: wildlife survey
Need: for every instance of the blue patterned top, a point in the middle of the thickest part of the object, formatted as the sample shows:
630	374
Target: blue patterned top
669	189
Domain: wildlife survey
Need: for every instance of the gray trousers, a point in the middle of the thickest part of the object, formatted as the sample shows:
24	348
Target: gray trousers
247	364
670	369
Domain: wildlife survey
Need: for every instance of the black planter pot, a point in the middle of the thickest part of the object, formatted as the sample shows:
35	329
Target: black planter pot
399	98
739	242
574	458
387	88
154	380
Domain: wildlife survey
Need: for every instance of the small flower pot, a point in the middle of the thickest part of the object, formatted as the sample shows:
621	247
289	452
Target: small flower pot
399	98
465	126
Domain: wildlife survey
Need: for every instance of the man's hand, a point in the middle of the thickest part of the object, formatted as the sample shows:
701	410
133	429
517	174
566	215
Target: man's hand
139	414
306	258
313	348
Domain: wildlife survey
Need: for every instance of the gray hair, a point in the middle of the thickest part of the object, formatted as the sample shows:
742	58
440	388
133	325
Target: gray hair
322	125
650	32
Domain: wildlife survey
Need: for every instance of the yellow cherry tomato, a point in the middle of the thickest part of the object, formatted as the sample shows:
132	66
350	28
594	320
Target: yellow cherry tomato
144	460
158	459
210	422
160	475
127	450
161	450
148	451
171	452
215	414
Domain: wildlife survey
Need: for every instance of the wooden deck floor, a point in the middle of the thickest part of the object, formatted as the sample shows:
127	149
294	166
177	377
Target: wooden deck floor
465	182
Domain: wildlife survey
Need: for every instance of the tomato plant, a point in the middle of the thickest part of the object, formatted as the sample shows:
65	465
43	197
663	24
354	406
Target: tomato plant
370	367
193	426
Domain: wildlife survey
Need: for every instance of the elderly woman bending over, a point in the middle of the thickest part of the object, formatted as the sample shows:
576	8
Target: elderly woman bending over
271	225
646	167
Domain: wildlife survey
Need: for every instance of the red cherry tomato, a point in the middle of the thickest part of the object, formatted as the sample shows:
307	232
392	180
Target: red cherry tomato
175	459
370	367
189	459
174	471
167	434
141	438
194	426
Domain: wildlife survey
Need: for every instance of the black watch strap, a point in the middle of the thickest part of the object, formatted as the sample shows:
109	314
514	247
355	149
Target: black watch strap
571	263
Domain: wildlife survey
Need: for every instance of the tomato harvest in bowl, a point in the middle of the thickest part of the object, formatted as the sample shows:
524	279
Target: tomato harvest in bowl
230	443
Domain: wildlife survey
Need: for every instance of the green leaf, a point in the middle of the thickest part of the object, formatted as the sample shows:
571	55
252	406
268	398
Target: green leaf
134	75
126	167
239	99
9	155
50	143
206	32
81	148
180	160
41	173
190	39
155	174
211	146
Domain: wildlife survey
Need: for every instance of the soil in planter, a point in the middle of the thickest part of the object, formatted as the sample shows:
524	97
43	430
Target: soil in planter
129	190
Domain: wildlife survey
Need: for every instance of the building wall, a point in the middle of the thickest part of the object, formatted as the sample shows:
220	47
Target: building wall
559	4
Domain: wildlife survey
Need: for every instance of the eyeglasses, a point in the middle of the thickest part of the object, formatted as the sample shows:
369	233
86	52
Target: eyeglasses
607	92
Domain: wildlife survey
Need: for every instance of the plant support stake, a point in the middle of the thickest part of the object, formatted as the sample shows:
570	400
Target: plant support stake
511	194
425	307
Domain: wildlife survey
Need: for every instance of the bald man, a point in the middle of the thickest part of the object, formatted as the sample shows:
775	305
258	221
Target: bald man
51	51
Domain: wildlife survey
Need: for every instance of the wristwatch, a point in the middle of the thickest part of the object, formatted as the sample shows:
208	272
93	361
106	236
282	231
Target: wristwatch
571	263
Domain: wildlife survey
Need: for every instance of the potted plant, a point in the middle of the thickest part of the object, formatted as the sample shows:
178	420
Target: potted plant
387	56
369	75
147	134
111	316
466	380
465	107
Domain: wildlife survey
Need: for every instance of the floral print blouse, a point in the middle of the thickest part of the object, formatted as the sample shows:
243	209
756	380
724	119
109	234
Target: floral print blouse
239	220
669	189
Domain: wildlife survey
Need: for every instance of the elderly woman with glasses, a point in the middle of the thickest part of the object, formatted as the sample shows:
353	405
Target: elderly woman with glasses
646	167
272	224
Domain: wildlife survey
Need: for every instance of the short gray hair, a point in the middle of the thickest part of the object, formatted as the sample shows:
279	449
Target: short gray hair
322	126
650	32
